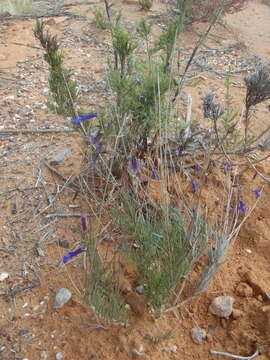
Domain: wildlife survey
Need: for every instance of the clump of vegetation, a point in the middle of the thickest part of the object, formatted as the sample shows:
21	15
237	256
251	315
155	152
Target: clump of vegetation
15	7
146	4
164	250
135	141
100	19
102	291
204	9
63	89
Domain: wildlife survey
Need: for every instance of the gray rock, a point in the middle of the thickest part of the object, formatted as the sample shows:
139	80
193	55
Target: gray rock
140	289
222	306
4	276
63	243
198	335
59	356
59	157
61	298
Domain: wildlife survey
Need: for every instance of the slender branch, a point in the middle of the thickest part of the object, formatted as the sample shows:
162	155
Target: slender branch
236	356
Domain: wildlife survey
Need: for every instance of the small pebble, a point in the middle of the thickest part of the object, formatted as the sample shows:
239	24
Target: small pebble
244	290
198	335
59	356
59	157
236	314
222	306
140	289
4	276
63	244
62	297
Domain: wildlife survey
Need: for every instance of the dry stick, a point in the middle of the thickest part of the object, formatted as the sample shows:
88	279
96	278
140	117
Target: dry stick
67	181
30	131
67	215
236	356
199	43
73	105
107	8
259	173
27	45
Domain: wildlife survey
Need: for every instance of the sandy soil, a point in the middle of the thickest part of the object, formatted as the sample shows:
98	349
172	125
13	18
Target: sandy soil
31	228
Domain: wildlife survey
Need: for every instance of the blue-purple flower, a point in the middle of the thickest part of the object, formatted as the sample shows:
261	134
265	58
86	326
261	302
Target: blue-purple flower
241	206
84	223
227	166
257	192
134	165
197	168
99	146
72	254
194	185
155	174
83	118
180	149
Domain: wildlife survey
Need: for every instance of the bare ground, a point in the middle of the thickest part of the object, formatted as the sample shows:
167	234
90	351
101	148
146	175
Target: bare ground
33	198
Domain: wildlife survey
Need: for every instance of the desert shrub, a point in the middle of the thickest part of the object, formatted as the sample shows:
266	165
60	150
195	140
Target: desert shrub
134	140
63	89
145	4
15	7
204	9
100	19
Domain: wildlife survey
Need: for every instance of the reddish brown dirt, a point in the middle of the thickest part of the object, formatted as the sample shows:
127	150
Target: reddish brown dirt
30	328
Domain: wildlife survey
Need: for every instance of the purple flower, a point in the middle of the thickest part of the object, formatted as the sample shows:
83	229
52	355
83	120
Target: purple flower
180	149
94	160
257	192
99	146
83	117
134	165
155	174
84	223
194	185
72	254
241	206
227	166
197	168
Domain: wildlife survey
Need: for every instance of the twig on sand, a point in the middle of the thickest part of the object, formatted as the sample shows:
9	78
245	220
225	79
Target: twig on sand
66	215
30	131
56	172
14	292
236	356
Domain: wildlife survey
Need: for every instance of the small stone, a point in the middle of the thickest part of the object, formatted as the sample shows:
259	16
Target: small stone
46	92
236	314
266	308
59	157
244	290
198	335
136	302
4	276
222	306
59	356
124	285
140	289
258	282
43	355
23	332
64	244
139	352
62	297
